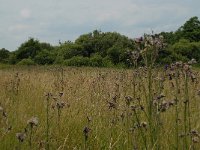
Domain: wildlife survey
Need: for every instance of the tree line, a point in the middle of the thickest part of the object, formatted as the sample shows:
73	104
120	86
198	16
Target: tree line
106	49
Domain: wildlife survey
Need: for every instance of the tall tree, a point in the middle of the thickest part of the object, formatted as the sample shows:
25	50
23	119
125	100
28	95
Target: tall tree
190	30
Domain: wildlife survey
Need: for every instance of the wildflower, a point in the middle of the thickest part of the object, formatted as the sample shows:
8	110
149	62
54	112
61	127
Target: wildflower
61	94
194	133
143	124
111	105
164	106
192	61
171	103
179	64
128	100
195	139
60	105
33	122
186	67
160	96
133	108
21	136
86	131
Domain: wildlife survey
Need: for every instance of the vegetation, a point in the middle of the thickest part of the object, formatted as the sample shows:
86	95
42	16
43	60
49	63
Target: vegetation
107	49
92	108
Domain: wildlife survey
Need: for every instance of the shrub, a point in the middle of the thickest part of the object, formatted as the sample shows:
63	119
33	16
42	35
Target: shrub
77	61
96	61
27	62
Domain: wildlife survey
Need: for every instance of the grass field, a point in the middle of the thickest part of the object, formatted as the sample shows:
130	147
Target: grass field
91	108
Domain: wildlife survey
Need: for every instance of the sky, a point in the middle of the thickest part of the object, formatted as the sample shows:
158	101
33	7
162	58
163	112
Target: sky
62	20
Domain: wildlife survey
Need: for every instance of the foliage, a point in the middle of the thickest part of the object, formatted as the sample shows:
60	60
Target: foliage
4	55
27	62
44	57
109	49
77	61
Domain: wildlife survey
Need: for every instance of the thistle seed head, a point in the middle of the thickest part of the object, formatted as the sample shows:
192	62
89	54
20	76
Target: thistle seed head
33	121
21	136
60	105
195	139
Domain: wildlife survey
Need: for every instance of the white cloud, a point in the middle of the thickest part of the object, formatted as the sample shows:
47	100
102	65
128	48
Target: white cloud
19	28
55	20
25	13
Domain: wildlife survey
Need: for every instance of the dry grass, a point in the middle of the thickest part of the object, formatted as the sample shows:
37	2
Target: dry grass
97	112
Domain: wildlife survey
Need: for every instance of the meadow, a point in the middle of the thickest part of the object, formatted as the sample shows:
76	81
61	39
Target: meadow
65	108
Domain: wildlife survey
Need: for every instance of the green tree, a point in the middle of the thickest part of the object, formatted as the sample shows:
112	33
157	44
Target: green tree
190	30
44	57
4	55
31	48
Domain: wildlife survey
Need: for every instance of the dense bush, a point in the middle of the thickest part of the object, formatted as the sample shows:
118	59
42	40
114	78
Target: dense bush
27	62
77	61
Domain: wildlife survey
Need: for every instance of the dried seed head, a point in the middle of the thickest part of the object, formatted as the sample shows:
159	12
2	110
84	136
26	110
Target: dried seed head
164	106
89	119
194	133
33	121
171	103
55	98
4	114
195	139
179	64
128	100
192	61
198	92
86	131
143	124
61	94
21	136
60	105
133	108
1	108
186	67
112	105
160	96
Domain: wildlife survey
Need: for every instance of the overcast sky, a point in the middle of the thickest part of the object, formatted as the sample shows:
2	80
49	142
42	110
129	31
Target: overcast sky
54	20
